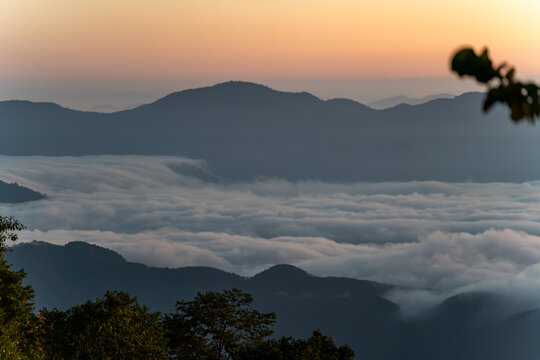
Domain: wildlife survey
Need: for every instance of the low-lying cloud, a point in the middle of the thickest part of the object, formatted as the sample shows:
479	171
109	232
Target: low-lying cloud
443	236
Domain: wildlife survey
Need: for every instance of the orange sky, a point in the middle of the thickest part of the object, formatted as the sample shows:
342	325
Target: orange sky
142	39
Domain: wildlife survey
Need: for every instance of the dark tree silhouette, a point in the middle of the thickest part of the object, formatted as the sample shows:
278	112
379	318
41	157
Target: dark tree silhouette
115	327
18	324
216	326
318	346
522	98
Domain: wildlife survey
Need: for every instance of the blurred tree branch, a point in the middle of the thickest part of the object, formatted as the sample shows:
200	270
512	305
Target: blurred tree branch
522	98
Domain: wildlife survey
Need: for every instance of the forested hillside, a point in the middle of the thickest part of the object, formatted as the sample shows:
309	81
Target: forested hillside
465	326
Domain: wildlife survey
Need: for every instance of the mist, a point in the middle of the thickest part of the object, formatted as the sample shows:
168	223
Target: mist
445	237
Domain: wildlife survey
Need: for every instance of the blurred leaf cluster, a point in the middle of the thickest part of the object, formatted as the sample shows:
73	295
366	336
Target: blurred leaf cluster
522	98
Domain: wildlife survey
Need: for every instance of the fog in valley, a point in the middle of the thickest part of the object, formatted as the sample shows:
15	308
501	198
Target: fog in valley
447	237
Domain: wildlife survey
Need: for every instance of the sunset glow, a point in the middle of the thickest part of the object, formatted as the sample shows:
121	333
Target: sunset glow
239	38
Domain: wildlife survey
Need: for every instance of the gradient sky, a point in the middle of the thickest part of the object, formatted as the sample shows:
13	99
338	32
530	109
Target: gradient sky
55	41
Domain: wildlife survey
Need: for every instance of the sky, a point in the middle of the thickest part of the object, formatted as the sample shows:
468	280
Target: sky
124	52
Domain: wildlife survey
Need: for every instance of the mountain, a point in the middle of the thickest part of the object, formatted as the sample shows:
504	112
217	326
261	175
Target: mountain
246	131
63	276
398	100
15	193
473	326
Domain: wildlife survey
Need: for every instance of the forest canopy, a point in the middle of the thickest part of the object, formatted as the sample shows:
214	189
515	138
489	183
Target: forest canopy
214	325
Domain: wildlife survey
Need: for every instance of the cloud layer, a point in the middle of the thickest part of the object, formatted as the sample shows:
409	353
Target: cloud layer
444	236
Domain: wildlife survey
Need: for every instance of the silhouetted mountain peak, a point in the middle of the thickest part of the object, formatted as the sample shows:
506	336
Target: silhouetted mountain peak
254	88
15	193
22	106
75	250
348	104
24	103
35	243
243	85
473	298
282	271
234	92
470	94
401	99
88	250
470	306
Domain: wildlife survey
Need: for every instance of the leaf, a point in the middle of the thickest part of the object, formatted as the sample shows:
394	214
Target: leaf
466	63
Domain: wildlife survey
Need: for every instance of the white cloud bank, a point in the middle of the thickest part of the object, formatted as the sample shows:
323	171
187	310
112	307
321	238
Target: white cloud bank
445	236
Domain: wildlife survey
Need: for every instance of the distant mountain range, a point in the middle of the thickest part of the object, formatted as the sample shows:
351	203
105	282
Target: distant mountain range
246	131
104	108
465	326
398	100
15	193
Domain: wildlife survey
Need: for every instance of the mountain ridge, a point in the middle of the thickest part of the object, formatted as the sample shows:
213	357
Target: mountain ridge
12	193
402	99
228	85
352	311
246	131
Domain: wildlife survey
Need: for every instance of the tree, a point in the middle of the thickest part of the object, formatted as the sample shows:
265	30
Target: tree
115	327
317	347
521	98
18	324
216	326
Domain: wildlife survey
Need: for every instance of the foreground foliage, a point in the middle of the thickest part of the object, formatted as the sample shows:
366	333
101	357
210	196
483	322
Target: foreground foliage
213	326
216	326
317	347
522	98
18	324
115	327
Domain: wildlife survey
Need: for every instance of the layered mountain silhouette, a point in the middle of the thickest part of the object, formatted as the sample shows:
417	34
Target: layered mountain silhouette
245	131
465	326
15	193
401	99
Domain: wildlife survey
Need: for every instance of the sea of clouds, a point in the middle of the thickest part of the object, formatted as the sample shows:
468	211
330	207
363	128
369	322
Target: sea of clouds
449	237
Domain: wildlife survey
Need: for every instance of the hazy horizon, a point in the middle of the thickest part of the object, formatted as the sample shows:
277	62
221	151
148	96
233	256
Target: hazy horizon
127	94
89	53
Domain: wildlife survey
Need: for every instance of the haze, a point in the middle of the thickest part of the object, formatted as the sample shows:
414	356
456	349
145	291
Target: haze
123	53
